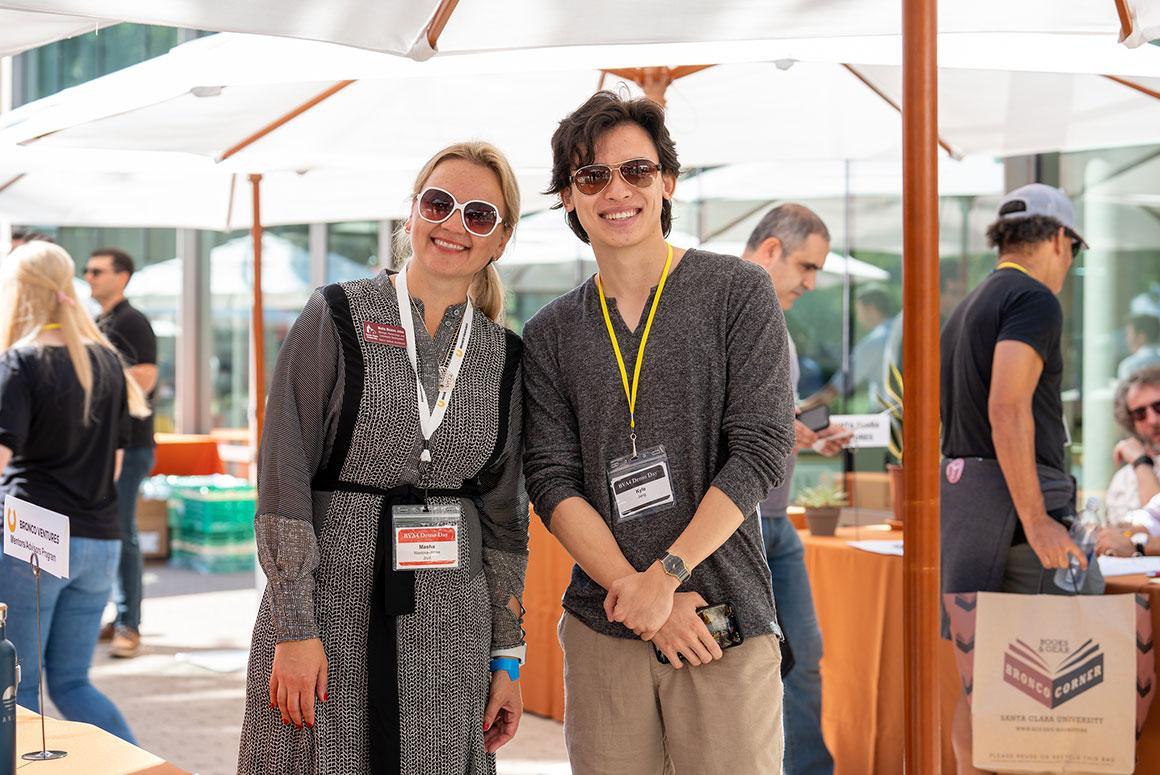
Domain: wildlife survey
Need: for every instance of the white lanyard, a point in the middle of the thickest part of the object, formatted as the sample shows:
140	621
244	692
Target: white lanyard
429	421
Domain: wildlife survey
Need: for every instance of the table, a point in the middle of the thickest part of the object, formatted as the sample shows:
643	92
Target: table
549	569
858	597
182	454
89	750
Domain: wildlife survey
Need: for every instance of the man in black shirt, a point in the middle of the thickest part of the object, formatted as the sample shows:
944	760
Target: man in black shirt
108	272
1005	486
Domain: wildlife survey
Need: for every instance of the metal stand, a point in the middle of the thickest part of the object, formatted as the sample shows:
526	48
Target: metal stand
43	754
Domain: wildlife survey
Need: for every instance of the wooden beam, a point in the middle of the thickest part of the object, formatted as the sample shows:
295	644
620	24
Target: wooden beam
12	182
1125	19
257	323
439	21
1135	86
920	303
889	101
284	119
654	81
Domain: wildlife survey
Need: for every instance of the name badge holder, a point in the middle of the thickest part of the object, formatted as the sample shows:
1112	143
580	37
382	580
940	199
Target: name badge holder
640	485
426	537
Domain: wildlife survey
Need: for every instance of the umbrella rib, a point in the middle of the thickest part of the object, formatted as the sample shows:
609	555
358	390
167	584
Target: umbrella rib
1135	86
12	182
285	119
439	21
886	98
1125	19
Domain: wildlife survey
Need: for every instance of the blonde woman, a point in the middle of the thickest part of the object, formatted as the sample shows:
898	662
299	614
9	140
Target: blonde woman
391	523
65	404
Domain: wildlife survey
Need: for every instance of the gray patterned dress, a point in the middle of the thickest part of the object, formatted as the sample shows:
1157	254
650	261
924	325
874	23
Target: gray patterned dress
341	430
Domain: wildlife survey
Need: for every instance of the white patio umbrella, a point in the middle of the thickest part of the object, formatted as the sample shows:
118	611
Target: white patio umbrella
22	30
1139	21
416	28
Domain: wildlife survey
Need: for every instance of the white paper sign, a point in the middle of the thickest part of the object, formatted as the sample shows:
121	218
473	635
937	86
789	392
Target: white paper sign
870	430
30	529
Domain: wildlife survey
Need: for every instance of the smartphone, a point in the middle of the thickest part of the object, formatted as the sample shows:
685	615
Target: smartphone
722	625
816	419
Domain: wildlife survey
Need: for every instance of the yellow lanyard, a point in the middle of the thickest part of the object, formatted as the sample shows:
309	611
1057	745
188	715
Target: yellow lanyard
630	393
50	327
1012	265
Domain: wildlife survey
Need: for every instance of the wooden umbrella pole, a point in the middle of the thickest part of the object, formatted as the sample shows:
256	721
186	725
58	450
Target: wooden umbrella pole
257	324
920	302
1125	19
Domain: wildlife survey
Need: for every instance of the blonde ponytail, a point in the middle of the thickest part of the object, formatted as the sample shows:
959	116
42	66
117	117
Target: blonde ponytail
487	292
36	290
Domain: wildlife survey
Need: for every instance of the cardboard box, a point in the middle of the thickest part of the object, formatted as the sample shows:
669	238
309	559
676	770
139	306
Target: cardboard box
153	528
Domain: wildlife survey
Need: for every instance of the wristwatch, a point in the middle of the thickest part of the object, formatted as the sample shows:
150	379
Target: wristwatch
1140	541
1143	460
675	567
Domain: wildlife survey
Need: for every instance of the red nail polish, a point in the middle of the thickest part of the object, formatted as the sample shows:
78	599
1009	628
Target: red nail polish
486	726
325	697
310	724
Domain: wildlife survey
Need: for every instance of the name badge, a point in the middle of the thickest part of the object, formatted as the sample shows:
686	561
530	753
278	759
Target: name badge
426	538
381	333
641	485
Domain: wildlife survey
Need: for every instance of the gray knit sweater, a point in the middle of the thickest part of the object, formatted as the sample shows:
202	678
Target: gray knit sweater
715	391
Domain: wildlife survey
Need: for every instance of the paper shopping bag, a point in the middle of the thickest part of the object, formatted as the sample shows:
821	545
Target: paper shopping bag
1056	684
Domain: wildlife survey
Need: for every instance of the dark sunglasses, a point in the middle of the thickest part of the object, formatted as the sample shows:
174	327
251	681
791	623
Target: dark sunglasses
89	272
594	178
1140	412
479	217
1076	242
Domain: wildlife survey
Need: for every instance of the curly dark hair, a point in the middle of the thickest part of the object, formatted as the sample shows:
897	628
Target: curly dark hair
1020	235
1149	375
574	144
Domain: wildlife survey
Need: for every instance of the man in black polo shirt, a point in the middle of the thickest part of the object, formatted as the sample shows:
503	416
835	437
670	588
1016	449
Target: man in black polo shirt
108	272
1005	486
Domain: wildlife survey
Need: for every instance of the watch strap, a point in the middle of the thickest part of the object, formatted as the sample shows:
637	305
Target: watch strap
1143	460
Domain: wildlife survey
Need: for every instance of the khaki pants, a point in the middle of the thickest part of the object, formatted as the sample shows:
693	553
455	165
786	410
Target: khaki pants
627	714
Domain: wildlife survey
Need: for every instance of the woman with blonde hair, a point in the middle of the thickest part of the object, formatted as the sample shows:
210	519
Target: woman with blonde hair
391	523
65	403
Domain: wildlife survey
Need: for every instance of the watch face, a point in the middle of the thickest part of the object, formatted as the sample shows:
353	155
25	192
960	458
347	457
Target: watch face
673	564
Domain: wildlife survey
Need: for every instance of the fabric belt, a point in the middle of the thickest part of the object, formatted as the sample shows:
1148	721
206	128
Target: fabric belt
392	595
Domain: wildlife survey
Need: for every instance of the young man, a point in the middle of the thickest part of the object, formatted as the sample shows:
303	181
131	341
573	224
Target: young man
1005	486
108	272
791	244
658	414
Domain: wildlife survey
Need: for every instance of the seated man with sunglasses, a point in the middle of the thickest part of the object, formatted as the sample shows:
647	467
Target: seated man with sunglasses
658	413
1005	489
1133	497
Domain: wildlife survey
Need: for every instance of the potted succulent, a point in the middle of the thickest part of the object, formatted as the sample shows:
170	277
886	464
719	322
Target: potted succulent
823	504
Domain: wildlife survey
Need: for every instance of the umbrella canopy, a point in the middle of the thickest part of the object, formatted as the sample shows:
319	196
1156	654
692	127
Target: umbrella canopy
285	277
788	179
1142	22
77	187
209	97
22	30
414	28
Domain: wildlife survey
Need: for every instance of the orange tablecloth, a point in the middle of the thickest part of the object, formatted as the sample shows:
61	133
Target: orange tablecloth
187	455
89	750
549	568
858	596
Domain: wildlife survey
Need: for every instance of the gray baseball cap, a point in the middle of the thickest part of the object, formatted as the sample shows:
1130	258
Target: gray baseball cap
1040	199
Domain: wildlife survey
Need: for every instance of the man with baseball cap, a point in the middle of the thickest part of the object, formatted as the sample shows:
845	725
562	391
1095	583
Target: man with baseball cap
1005	488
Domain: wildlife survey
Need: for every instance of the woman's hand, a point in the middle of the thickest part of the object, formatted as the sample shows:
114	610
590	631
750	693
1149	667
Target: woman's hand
505	707
299	675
